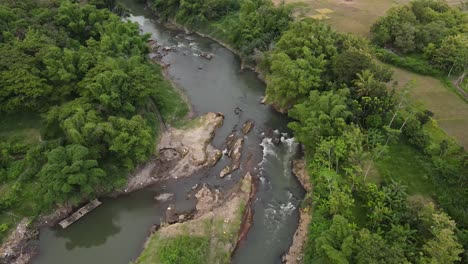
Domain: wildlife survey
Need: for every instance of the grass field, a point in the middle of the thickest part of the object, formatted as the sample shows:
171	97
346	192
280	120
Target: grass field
406	165
451	111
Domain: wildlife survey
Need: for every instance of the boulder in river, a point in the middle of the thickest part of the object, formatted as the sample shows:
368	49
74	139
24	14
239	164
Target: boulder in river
215	158
296	251
236	153
230	141
206	55
247	127
226	170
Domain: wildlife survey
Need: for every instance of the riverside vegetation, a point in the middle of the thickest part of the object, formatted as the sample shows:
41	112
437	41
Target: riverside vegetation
80	105
368	205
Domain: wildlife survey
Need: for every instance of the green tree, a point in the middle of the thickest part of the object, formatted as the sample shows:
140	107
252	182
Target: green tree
452	54
69	174
321	115
131	141
335	245
291	80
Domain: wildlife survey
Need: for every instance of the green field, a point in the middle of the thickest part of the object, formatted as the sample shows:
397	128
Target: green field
450	110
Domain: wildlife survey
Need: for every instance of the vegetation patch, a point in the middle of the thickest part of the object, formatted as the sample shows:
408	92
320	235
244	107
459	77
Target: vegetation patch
182	249
80	104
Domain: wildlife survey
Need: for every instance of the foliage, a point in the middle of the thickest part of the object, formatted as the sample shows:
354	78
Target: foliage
322	115
85	71
183	249
431	28
69	174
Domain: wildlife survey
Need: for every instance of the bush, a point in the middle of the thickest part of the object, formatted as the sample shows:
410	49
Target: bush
416	135
409	63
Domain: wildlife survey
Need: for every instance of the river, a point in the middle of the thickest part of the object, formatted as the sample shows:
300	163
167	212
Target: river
115	232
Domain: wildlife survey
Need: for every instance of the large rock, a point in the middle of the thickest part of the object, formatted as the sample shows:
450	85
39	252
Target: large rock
296	251
247	127
234	147
300	170
236	153
225	171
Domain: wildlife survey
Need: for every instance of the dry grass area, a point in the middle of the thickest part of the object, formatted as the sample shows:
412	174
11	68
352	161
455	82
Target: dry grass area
351	16
451	112
354	16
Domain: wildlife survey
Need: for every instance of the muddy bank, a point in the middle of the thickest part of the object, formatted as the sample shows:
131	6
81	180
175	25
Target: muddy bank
218	219
296	251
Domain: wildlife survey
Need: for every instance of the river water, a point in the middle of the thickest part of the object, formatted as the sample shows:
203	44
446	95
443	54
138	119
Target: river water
115	231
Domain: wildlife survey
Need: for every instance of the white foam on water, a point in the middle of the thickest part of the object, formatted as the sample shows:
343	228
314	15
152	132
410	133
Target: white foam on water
287	209
140	20
268	148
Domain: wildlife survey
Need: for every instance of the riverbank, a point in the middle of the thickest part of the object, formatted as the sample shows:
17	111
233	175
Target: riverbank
212	235
180	152
296	251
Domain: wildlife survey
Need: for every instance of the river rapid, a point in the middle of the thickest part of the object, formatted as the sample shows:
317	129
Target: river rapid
116	231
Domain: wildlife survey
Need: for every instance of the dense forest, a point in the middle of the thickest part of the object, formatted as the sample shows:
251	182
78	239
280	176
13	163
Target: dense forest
81	76
349	115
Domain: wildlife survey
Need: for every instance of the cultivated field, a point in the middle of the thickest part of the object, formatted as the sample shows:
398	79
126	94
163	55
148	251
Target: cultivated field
451	111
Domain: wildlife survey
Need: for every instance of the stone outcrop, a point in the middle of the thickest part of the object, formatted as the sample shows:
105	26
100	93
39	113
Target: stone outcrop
248	125
234	151
182	152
